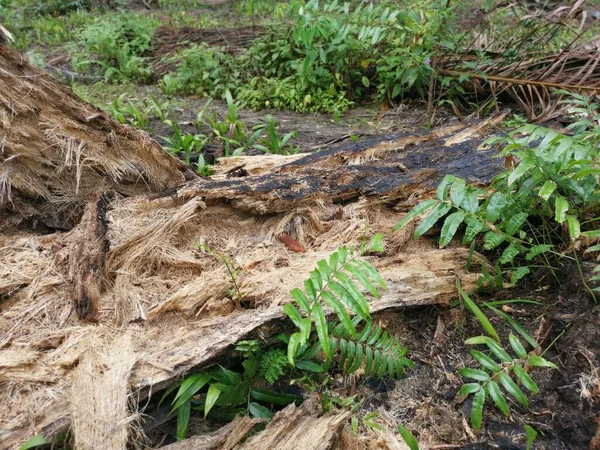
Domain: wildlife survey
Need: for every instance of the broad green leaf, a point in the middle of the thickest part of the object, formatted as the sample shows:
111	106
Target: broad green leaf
419	209
408	438
293	313
538	361
525	379
373	273
259	411
34	441
309	366
531	435
355	270
476	340
472	306
321	327
495	206
350	294
497	397
485	361
474	227
512	388
189	388
365	82
340	310
519	273
183	420
492	240
593	233
475	374
499	351
561	206
305	329
517	346
470	203
525	165
593	248
450	226
431	219
211	398
515	223
537	250
574	227
547	189
300	299
477	409
324	269
469	388
310	290
509	253
457	192
293	345
277	398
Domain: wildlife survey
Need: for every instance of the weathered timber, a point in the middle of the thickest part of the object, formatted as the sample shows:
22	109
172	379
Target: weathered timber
56	150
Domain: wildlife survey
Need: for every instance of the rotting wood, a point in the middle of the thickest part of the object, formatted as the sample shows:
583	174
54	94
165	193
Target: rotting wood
86	261
388	167
56	151
225	438
298	428
173	299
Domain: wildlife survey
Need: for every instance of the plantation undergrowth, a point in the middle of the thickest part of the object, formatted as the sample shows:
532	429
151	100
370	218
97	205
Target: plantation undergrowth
535	223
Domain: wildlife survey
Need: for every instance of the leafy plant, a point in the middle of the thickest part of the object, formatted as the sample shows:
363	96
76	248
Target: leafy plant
35	441
500	369
532	211
128	112
408	437
233	272
357	340
183	142
202	70
273	142
230	393
115	45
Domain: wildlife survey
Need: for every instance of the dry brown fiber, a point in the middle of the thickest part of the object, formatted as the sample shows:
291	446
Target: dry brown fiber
164	307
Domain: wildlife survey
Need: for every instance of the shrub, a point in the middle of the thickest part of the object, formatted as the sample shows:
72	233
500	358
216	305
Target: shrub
115	46
202	70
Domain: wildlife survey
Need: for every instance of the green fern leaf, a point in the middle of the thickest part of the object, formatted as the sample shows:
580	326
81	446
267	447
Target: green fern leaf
272	365
450	227
492	240
509	254
373	273
356	272
431	219
495	206
457	192
419	209
474	226
340	310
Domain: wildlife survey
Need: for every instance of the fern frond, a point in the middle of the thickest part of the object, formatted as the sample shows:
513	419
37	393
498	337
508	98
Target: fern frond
374	349
272	365
339	284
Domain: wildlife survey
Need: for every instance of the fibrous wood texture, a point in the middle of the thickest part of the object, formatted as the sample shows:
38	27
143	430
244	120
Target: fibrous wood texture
56	151
162	307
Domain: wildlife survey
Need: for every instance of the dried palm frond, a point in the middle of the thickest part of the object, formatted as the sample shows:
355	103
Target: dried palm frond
526	70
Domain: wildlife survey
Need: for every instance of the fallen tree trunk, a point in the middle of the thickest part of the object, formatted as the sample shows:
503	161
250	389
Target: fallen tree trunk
170	302
57	151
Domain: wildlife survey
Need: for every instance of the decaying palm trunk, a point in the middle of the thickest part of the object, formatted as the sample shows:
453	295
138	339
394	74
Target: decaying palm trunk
97	317
56	151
